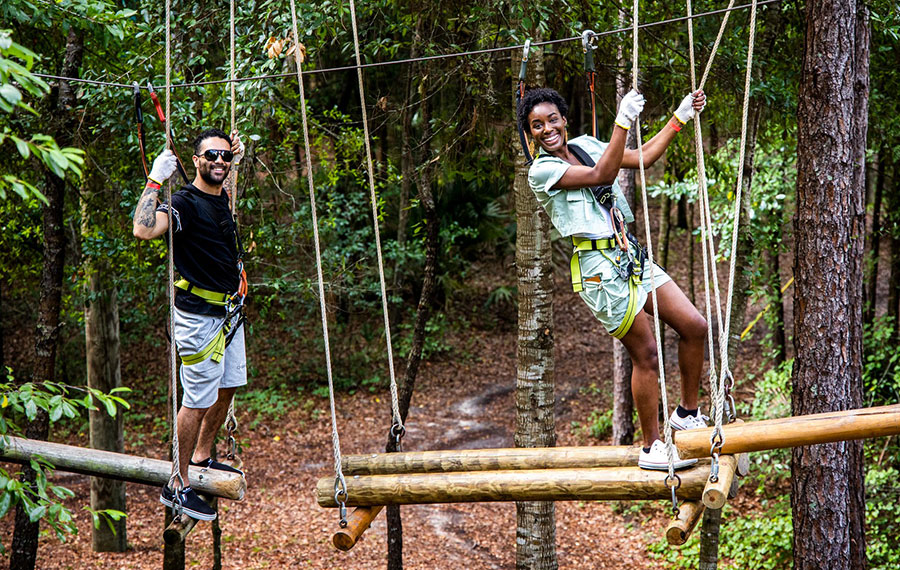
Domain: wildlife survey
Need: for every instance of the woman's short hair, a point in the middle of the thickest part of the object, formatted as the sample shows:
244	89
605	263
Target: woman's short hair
536	96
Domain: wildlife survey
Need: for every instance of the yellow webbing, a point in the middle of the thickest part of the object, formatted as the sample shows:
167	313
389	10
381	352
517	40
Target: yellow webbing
211	297
584	244
216	348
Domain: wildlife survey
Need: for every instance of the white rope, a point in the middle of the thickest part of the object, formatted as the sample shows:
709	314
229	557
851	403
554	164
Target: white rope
667	426
230	418
336	442
395	401
176	478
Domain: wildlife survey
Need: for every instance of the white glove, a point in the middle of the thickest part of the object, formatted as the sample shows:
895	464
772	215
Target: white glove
629	108
685	111
163	167
237	147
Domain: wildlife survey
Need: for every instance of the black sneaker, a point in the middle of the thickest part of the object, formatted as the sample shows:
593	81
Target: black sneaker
192	505
208	463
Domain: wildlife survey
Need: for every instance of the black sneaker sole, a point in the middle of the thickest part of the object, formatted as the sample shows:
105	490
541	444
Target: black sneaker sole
219	467
189	512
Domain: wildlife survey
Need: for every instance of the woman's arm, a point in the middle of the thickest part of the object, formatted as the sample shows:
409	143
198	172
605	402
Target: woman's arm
656	146
603	172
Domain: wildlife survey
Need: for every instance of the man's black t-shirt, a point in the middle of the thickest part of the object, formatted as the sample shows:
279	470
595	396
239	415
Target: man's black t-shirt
205	251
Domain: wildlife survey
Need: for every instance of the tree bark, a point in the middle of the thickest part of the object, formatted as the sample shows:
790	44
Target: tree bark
709	539
25	536
623	400
893	301
872	271
423	311
101	334
103	372
535	521
826	483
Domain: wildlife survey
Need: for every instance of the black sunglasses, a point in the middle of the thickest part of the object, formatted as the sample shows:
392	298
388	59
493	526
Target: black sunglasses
212	154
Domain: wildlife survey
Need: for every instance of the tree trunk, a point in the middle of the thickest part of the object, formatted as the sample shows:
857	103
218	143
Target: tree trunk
872	271
665	227
103	373
826	483
423	311
535	521
709	539
893	302
623	400
25	536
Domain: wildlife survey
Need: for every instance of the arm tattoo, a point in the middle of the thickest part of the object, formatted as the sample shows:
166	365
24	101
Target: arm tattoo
145	214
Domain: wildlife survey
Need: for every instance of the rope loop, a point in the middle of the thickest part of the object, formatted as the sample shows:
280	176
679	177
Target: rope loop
397	431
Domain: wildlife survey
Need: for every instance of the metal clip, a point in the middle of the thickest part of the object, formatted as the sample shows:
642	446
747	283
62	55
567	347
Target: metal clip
525	50
714	468
340	497
397	432
673	482
587	40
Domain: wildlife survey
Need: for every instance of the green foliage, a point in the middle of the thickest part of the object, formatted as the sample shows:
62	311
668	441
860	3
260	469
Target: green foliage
42	501
743	540
881	363
14	77
882	517
600	423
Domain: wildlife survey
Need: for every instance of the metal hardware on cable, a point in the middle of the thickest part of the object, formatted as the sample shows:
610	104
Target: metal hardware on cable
520	92
170	140
673	482
397	431
340	483
340	497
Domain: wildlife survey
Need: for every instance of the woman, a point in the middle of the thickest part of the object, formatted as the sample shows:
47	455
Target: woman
575	182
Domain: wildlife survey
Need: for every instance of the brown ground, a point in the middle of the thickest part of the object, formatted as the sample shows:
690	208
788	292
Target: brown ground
459	403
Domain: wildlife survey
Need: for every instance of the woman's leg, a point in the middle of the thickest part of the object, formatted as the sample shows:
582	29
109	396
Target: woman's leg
679	313
641	345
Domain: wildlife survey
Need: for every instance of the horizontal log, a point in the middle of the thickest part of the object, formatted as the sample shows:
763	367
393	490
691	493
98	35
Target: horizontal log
739	438
490	460
794	431
680	528
357	523
119	466
603	483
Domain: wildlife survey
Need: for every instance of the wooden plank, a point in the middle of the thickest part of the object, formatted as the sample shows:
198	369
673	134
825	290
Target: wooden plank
357	523
739	438
119	466
605	483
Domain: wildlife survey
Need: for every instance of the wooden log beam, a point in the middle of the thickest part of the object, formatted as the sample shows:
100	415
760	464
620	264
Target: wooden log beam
357	523
679	530
716	492
119	466
490	460
604	483
739	438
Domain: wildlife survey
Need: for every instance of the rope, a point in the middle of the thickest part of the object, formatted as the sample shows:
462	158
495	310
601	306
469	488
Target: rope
667	426
340	484
409	60
173	366
397	421
230	418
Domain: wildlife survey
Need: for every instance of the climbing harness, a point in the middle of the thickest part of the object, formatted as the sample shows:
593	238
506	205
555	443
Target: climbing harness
170	139
588	45
527	147
139	124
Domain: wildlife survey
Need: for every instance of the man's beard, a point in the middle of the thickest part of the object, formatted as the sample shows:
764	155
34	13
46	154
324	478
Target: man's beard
208	177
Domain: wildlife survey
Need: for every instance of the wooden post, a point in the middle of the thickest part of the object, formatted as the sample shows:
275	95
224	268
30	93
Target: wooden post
679	530
709	539
620	483
716	492
120	466
357	523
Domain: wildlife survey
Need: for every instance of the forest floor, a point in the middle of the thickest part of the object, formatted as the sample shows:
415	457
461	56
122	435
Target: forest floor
463	399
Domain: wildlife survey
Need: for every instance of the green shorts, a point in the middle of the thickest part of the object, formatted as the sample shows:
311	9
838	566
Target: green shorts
611	298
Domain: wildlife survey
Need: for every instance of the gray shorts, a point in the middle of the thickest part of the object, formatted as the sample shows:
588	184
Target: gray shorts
201	381
610	299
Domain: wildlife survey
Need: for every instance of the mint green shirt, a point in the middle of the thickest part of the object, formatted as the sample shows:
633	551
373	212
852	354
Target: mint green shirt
574	212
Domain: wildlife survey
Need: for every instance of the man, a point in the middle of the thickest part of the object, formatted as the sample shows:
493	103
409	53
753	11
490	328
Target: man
208	334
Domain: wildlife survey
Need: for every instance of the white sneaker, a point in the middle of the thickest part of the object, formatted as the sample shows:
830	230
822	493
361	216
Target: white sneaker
657	458
691	422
